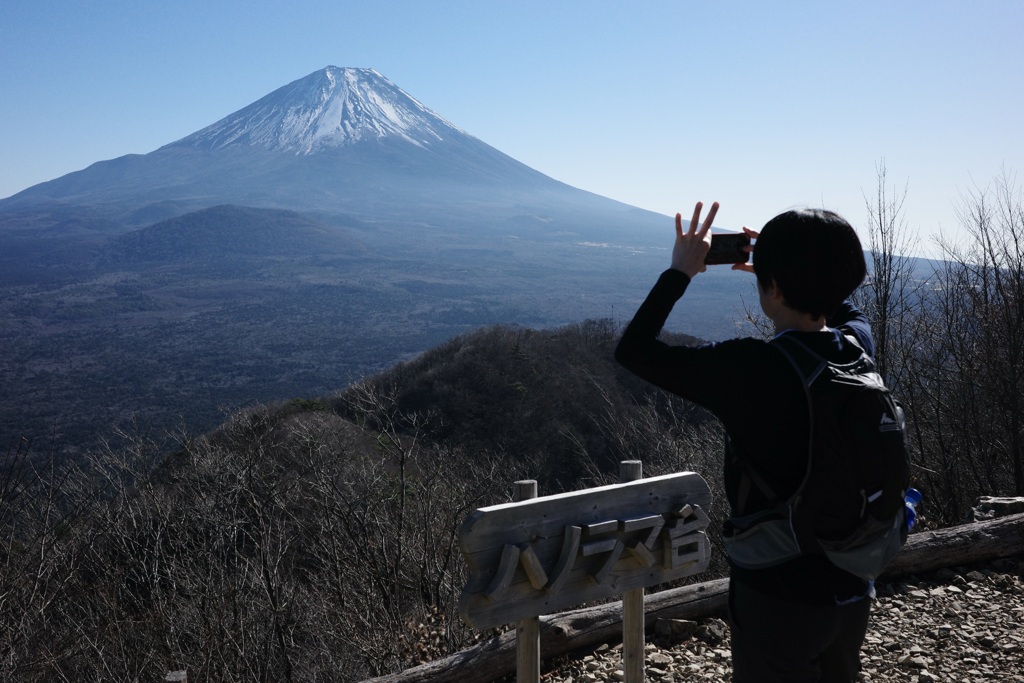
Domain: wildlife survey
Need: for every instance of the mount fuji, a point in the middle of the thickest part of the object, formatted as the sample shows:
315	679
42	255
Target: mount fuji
340	140
327	230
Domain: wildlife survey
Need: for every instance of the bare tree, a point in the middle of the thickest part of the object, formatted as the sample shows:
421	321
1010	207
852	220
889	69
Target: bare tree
992	266
966	339
888	295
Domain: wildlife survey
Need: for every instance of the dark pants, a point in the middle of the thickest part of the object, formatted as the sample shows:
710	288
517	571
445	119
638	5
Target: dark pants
775	641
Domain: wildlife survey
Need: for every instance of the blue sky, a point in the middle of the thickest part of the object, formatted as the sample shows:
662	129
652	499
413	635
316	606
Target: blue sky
759	105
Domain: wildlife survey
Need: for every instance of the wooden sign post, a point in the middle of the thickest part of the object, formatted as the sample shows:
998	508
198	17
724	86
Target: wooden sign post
528	628
632	603
544	555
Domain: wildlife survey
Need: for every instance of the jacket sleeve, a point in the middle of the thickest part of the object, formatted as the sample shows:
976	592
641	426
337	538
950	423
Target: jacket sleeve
639	350
852	320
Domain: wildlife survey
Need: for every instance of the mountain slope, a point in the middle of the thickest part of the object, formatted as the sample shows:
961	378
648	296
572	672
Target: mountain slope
228	232
336	140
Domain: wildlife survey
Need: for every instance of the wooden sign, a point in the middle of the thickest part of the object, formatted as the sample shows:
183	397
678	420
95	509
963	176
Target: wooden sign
552	553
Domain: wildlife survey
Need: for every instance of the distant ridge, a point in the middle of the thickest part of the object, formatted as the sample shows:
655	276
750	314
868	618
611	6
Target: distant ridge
224	232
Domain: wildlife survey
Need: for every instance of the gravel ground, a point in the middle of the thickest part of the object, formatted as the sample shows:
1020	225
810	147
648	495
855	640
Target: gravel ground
964	625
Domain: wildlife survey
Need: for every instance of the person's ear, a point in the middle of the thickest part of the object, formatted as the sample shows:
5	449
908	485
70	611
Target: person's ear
773	292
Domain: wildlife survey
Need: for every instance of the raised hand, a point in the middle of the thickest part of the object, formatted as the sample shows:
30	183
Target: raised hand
692	246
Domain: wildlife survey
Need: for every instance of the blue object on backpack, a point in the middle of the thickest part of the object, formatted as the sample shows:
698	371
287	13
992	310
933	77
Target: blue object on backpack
911	499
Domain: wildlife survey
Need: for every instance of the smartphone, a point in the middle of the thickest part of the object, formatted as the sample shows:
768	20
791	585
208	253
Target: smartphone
727	247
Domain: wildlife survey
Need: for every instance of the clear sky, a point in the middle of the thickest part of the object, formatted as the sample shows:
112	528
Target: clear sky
759	105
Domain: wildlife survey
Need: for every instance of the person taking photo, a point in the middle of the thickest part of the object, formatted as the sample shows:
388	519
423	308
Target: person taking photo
802	618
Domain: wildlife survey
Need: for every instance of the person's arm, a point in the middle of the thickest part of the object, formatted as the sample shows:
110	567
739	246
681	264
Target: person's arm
852	320
710	374
702	373
640	351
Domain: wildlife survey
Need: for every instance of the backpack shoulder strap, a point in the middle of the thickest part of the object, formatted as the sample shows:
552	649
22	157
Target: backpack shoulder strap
807	363
808	366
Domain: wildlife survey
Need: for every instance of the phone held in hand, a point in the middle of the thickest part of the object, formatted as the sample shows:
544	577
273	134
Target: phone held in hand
727	247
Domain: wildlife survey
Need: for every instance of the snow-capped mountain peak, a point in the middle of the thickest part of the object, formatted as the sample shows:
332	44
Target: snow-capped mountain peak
332	107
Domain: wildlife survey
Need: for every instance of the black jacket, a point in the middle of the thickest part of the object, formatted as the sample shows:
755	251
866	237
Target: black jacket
748	384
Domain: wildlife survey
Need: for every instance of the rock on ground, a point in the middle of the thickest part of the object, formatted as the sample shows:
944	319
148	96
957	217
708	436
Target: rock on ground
959	625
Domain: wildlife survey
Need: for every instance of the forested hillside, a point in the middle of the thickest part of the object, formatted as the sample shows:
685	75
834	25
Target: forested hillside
553	401
311	539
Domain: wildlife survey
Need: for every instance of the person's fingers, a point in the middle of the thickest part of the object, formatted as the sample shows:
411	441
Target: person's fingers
709	220
696	218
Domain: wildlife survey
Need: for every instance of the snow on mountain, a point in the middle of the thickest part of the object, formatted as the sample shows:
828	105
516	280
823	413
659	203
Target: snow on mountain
332	107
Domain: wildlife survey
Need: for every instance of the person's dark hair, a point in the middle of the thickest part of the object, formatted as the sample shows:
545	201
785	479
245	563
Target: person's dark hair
813	256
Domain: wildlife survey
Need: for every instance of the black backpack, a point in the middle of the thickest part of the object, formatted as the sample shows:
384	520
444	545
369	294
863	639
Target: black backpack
850	505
